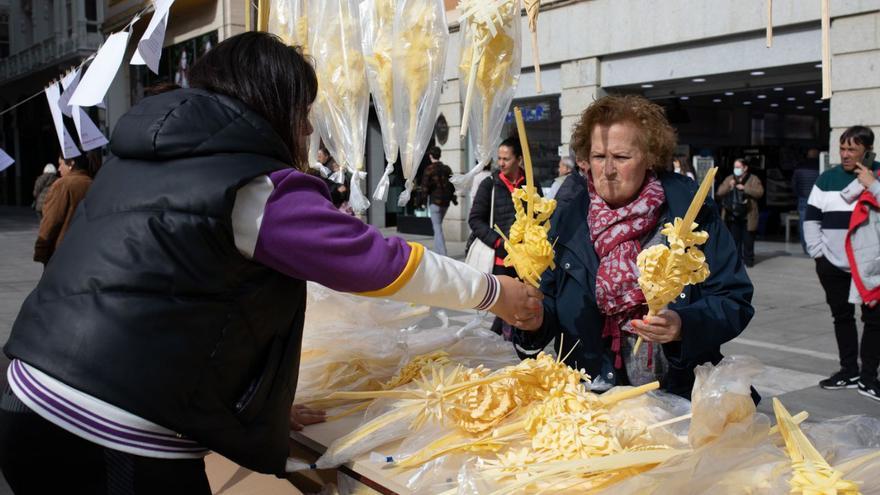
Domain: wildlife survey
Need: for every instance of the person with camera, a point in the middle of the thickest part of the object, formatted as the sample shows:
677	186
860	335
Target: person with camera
739	195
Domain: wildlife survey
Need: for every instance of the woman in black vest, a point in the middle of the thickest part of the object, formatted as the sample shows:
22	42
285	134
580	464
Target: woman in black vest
169	322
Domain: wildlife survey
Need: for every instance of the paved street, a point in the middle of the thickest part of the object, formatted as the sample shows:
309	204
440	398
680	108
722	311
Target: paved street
791	332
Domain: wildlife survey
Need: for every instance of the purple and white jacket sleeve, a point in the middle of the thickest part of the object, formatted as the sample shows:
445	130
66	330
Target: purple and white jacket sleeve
286	221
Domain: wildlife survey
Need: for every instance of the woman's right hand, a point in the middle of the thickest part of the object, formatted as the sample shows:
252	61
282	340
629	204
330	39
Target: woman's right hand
519	304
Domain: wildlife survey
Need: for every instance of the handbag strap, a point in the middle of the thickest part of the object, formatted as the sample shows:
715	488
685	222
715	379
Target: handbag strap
492	209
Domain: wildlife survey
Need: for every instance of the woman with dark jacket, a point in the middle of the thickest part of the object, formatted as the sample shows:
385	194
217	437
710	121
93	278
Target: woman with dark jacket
169	321
592	301
500	184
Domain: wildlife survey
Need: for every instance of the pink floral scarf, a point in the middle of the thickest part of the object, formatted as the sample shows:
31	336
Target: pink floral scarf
615	234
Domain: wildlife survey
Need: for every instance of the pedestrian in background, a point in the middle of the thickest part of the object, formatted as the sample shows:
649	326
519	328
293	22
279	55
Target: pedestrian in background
681	166
574	183
42	185
802	181
478	179
60	205
739	195
565	168
497	189
324	163
439	193
827	221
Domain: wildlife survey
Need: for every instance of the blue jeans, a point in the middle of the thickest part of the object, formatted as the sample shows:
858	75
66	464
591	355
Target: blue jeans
802	212
437	214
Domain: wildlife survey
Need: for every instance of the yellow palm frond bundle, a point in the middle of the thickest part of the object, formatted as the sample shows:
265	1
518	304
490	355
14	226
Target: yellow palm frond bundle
532	9
528	249
811	473
664	270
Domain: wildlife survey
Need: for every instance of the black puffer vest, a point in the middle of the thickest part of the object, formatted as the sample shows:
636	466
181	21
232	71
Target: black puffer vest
148	305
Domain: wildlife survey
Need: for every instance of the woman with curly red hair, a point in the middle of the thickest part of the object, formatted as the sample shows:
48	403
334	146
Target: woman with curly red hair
592	298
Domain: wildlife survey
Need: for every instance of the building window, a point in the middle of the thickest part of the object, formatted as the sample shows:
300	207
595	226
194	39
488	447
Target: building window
4	33
92	16
543	122
68	13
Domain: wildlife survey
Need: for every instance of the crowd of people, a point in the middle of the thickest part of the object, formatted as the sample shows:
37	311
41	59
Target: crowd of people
169	315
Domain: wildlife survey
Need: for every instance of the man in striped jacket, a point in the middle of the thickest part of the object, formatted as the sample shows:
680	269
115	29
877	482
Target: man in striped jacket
829	209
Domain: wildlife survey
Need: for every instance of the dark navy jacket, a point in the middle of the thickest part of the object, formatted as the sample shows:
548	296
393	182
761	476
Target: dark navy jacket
712	312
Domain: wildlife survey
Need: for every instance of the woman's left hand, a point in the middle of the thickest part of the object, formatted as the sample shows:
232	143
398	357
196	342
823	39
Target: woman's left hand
301	416
662	328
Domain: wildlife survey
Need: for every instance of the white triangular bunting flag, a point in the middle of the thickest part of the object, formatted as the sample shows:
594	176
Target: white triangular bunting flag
149	49
68	146
5	160
99	76
69	83
90	137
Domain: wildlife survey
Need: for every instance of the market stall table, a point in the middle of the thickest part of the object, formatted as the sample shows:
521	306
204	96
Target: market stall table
316	438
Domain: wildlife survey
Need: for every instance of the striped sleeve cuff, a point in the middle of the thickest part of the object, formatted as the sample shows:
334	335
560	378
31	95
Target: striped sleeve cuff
493	291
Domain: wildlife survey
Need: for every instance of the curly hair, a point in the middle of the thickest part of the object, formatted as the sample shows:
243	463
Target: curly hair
656	136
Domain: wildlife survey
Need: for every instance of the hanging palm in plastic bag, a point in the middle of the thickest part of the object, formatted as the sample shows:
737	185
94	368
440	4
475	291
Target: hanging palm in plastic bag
419	60
290	21
377	40
343	97
489	70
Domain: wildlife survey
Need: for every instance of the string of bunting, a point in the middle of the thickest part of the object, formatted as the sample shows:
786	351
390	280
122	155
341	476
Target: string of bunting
86	88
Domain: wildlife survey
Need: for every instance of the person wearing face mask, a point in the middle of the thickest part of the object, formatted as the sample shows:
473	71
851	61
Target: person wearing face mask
739	195
830	214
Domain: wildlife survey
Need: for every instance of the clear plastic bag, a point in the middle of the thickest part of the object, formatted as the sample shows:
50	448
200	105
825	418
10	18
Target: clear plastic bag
651	409
421	37
290	21
328	307
437	474
377	41
393	421
495	82
844	437
740	460
722	396
364	362
341	108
